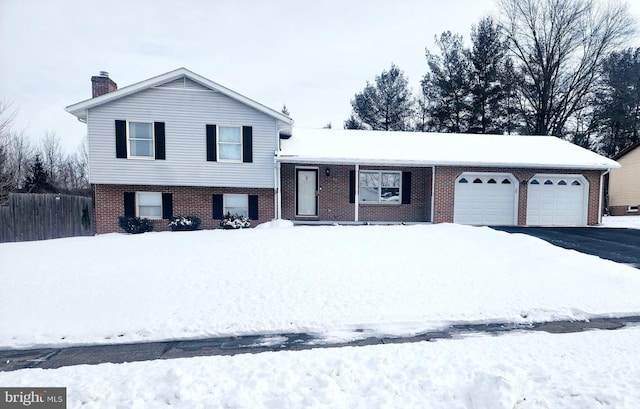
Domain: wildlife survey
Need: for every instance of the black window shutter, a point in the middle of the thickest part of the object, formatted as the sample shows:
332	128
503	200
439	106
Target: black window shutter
167	205
253	207
217	207
352	186
406	187
129	204
212	142
159	134
247	144
121	139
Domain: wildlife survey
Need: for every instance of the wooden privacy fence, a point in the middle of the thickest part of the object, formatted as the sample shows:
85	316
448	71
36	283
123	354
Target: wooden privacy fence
30	216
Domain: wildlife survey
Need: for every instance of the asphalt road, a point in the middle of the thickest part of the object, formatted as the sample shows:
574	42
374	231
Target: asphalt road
619	245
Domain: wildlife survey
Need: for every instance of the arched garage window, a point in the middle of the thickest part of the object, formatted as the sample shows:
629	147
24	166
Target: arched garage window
463	180
535	182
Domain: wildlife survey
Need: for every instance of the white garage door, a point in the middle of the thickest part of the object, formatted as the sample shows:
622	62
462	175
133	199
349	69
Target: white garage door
557	200
486	199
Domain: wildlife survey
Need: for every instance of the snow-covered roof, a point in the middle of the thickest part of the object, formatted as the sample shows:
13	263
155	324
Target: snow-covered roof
80	109
425	148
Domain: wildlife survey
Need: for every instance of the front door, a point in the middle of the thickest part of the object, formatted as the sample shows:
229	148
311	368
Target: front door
307	188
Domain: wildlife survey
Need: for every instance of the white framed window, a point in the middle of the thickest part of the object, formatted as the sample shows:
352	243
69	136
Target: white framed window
230	143
236	204
140	139
379	187
149	205
632	209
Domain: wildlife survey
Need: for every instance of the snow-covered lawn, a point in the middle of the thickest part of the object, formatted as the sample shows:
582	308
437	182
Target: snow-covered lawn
327	280
383	279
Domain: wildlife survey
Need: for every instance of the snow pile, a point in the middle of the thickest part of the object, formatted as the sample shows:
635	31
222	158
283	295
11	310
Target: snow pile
388	280
627	222
585	370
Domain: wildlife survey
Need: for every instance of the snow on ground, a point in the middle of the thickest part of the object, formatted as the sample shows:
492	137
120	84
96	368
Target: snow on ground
629	222
597	369
389	280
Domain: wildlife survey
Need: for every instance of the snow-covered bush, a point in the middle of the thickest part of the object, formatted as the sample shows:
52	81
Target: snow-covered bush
234	221
183	223
135	225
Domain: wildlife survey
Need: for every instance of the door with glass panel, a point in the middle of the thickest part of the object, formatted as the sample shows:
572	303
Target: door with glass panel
307	192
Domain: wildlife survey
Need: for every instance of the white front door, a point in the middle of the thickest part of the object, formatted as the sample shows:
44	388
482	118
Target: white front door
486	199
307	192
557	200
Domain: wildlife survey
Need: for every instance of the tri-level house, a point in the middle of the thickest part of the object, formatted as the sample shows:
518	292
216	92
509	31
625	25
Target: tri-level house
180	144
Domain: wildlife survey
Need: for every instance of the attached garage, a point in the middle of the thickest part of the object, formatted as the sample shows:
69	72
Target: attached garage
486	199
557	200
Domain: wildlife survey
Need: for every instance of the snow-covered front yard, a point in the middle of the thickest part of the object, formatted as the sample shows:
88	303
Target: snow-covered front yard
391	280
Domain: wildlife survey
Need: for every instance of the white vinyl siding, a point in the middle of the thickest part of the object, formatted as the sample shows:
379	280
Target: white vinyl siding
185	112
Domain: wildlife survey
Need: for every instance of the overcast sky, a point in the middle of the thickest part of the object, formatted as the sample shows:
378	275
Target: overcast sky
311	56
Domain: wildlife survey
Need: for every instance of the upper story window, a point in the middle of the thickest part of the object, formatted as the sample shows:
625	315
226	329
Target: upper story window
380	187
230	143
140	138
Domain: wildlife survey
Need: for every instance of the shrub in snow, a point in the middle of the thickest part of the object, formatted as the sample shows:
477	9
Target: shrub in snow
234	221
183	223
135	225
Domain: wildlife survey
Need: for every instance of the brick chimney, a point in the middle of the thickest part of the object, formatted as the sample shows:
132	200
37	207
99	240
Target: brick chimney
102	84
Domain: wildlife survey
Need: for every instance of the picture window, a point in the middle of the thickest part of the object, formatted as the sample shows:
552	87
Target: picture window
380	187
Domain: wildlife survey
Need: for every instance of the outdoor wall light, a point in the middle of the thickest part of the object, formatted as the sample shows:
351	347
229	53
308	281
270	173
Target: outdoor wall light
327	172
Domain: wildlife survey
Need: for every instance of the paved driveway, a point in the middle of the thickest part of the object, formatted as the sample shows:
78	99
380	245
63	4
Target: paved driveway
620	245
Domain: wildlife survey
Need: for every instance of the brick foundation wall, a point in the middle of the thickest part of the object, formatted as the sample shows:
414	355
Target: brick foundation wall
187	201
333	195
622	211
445	187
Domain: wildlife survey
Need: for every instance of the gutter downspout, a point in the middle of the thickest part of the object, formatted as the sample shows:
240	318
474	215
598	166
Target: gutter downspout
433	191
601	196
278	204
357	188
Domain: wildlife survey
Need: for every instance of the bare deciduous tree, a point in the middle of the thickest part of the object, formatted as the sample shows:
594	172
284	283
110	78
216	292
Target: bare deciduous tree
559	46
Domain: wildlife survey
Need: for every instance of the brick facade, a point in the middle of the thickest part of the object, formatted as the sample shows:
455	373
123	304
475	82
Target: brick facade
187	201
333	195
445	187
622	211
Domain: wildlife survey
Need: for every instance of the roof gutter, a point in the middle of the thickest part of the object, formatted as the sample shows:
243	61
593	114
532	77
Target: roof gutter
421	163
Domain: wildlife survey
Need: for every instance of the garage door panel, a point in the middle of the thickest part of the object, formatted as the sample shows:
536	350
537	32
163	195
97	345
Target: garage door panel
484	199
557	200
